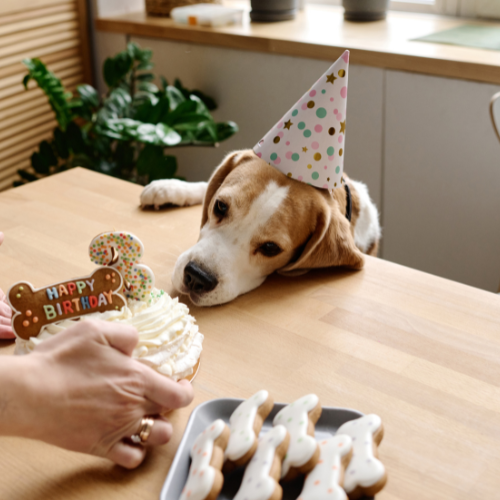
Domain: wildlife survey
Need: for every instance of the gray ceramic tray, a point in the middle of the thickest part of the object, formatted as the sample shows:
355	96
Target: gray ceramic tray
331	419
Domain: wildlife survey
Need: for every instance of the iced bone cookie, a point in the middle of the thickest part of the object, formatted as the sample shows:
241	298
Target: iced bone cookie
35	309
205	478
245	424
299	419
325	481
260	481
365	475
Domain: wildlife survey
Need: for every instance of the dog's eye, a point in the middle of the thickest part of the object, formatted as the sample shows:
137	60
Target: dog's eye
270	249
220	209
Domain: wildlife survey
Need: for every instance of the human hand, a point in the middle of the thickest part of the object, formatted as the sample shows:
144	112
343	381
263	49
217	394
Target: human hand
5	313
88	395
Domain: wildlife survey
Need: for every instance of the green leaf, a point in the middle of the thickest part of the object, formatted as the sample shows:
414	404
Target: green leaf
183	108
85	105
208	101
200	107
154	113
145	77
178	85
106	167
116	68
101	145
88	95
211	128
48	154
148	87
27	176
167	135
126	129
39	164
116	105
144	66
225	130
155	164
26	79
74	138
124	155
175	97
60	143
164	83
138	54
169	169
53	89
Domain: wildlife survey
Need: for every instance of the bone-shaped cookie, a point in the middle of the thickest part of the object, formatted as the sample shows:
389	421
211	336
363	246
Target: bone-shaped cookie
246	422
325	481
36	308
260	481
365	475
299	419
205	479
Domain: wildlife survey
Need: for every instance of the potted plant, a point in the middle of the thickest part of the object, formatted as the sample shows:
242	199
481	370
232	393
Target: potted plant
126	132
365	10
273	10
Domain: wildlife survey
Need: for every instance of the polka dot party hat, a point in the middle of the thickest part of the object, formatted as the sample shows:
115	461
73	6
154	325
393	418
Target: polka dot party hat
307	144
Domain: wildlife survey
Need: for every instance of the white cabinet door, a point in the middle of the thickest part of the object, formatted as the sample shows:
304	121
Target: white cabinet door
442	178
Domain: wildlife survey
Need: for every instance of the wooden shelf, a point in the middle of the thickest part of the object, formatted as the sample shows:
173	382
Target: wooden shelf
320	32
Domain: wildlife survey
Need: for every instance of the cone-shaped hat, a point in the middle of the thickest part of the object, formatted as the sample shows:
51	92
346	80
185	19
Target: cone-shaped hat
307	144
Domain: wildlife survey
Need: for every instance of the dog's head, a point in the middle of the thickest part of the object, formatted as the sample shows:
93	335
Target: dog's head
256	221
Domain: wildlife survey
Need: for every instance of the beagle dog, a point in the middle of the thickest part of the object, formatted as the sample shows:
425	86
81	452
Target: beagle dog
256	220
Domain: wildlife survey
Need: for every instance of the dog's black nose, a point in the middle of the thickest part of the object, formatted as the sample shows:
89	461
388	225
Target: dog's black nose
197	279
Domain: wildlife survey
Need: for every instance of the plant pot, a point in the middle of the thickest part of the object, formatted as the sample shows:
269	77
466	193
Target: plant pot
365	10
273	10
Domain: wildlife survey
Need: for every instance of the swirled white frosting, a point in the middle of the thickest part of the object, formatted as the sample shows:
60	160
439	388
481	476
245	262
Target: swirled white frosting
169	340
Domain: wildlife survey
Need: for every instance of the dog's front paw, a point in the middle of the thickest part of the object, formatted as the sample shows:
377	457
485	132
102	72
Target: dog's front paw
172	191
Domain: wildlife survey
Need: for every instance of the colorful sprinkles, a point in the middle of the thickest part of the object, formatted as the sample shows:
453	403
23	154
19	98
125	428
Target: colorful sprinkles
123	251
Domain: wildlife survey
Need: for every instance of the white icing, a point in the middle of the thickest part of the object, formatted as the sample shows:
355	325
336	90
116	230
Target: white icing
201	474
241	423
364	469
295	418
169	340
322	483
257	484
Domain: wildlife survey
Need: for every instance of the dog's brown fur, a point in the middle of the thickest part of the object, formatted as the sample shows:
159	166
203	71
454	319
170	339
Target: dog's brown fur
320	234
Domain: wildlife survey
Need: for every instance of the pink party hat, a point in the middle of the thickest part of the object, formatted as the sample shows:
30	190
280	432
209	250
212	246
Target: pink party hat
307	144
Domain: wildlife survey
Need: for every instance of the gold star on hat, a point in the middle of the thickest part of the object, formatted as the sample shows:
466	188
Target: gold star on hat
331	78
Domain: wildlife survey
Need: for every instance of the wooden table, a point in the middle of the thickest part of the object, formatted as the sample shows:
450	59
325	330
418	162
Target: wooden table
420	351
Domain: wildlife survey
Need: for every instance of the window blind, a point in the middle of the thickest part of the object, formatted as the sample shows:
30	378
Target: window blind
56	32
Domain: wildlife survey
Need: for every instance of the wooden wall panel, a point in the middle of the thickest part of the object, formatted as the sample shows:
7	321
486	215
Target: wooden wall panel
56	32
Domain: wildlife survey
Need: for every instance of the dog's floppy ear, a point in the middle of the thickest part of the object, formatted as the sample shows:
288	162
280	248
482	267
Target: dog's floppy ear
229	163
330	244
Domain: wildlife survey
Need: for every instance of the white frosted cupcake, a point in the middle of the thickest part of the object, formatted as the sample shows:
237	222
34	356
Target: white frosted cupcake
169	340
